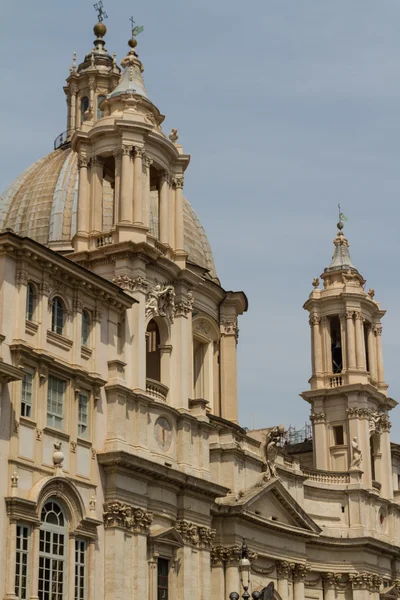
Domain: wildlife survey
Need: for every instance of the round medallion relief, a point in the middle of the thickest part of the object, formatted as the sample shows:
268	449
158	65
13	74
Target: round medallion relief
163	433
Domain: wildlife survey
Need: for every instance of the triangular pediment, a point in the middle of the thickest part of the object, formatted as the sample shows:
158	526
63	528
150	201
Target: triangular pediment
274	503
168	536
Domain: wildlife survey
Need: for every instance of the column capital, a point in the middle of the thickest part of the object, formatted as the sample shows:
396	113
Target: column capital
178	182
117	153
147	161
229	326
318	417
349	314
138	152
82	161
358	315
332	579
365	581
377	330
126	150
314	319
164	176
300	571
284	569
120	514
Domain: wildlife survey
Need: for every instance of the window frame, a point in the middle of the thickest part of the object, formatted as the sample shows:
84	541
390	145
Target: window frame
55	532
100	99
86	433
85	342
56	417
30	302
58	315
23	403
80	589
22	559
162	588
84	106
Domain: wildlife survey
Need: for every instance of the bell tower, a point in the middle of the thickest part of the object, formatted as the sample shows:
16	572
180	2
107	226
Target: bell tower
348	396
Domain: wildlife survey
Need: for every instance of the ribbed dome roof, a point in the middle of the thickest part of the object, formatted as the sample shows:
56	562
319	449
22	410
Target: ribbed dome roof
42	204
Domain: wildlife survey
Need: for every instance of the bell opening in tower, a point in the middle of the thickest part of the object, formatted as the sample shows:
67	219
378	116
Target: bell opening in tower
336	344
367	327
153	354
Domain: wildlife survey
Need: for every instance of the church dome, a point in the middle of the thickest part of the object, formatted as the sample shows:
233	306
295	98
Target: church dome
42	204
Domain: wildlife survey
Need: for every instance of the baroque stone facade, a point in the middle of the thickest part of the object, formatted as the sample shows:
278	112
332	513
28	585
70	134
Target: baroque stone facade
125	471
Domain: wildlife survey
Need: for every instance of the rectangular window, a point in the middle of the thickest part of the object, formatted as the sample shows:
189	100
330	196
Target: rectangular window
51	565
338	435
162	579
27	394
55	402
80	569
22	562
83	415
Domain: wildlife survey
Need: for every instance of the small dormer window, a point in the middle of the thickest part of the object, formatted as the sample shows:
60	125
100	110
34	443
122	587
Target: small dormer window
84	107
99	111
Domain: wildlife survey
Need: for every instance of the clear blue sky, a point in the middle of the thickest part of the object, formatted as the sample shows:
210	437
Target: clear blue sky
287	108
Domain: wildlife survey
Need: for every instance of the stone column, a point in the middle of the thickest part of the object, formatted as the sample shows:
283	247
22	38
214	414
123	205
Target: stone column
181	357
163	216
228	368
125	207
139	566
78	112
73	91
283	572
299	574
185	572
342	318
11	553
171	216
379	353
360	345
318	421
96	166
34	579
137	186
152	574
351	354
330	582
327	344
217	573
117	186
372	355
315	321
232	576
386	461
82	225
91	570
92	86
146	200
179	241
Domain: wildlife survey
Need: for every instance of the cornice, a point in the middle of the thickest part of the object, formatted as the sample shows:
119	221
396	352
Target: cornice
154	471
32	253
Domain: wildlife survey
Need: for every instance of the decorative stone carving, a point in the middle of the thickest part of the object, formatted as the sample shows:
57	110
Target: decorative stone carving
274	435
184	307
356	454
318	417
119	514
14	480
177	182
333	579
365	581
371	293
314	319
126	150
133	284
377	330
173	136
349	314
379	422
92	504
139	152
82	161
300	571
73	447
195	535
160	302
218	556
221	555
58	456
361	413
230	327
284	569
38	434
315	282
22	276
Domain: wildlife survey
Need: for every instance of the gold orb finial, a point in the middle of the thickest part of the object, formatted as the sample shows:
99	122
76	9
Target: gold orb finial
100	29
132	42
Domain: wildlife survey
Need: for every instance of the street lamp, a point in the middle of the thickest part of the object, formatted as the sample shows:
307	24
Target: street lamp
244	571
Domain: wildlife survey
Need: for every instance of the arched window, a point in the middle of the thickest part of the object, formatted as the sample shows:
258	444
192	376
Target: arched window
30	302
85	328
153	354
57	315
99	111
84	107
52	553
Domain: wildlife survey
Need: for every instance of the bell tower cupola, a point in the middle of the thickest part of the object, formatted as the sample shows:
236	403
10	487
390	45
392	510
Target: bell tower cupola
348	391
90	82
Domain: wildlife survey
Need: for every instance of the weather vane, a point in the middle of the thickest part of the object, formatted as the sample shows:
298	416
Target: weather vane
101	13
342	217
136	30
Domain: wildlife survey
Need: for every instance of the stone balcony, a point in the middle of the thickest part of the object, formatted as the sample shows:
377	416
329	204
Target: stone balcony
156	390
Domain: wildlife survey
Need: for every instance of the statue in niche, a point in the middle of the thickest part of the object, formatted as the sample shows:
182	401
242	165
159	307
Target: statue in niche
161	302
356	454
273	437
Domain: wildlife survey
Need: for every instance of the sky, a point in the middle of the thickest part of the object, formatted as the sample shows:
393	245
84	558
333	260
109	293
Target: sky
287	108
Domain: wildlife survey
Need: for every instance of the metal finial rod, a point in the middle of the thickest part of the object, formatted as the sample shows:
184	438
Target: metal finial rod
135	29
101	14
